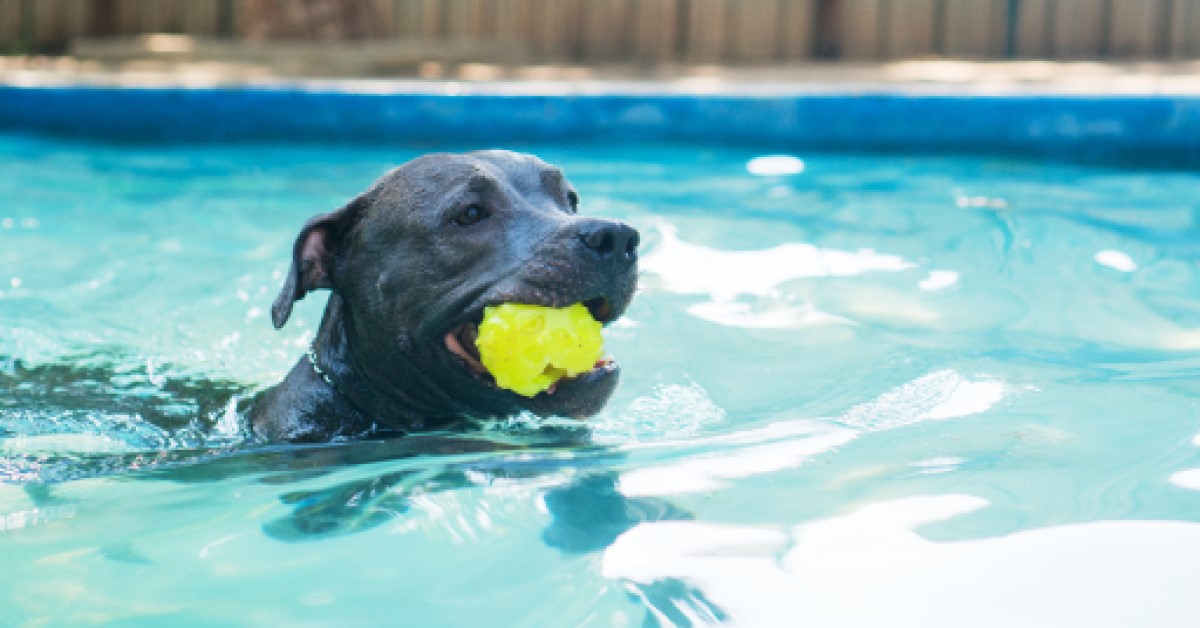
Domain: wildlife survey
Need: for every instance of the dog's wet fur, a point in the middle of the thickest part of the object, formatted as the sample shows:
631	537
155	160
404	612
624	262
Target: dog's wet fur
411	263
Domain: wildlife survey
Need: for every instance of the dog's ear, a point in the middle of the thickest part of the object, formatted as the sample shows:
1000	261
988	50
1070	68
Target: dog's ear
312	257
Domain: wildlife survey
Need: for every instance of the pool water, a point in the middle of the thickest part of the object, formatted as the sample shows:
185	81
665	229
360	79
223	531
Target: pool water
857	390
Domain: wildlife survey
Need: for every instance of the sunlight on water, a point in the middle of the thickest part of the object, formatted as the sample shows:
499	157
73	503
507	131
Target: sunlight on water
869	564
937	390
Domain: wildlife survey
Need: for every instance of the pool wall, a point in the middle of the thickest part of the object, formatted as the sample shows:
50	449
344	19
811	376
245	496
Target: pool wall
1164	129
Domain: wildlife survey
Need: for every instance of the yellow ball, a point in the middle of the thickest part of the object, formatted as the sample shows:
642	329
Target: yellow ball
527	348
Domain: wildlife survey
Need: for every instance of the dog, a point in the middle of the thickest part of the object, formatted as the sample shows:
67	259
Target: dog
411	263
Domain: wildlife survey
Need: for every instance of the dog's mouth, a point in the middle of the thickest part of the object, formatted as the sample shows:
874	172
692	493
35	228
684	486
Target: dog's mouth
460	342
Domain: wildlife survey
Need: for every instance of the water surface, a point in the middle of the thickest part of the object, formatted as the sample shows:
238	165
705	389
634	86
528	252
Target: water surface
935	390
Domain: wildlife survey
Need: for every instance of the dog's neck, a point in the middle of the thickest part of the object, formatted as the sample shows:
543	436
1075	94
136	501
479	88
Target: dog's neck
396	408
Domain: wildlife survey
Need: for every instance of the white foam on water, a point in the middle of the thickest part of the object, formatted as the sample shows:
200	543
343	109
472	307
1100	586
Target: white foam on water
938	280
671	412
871	568
713	471
788	444
735	314
939	395
775	165
686	268
1116	260
1189	479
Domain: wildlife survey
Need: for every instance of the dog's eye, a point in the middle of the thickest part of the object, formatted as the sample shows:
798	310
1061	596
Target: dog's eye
470	215
573	199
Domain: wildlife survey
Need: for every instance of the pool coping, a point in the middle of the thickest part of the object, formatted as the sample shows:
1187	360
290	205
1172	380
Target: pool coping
1158	128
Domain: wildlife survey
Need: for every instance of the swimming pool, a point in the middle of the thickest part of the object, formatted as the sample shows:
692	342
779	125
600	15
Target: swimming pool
940	389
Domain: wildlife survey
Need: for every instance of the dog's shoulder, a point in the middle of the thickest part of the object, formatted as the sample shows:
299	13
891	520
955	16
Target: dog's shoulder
303	409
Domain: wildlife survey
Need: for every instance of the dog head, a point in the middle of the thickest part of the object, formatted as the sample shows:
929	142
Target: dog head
417	257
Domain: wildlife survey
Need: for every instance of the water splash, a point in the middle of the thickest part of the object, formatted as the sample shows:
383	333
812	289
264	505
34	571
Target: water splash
101	414
670	412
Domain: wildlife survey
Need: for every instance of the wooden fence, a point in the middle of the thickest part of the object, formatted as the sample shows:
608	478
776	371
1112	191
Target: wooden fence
691	31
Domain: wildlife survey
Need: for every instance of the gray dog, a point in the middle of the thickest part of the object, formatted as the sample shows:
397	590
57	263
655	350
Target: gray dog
411	264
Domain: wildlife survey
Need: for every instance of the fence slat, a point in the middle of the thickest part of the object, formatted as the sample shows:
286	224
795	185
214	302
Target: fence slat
75	19
1135	28
975	28
149	16
1185	29
796	29
385	11
700	31
1079	29
1035	25
431	19
514	19
558	29
655	33
753	30
408	15
909	31
860	33
47	23
466	19
604	24
200	18
706	31
10	25
458	17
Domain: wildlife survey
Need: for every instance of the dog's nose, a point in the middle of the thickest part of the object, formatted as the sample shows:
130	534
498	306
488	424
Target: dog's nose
610	239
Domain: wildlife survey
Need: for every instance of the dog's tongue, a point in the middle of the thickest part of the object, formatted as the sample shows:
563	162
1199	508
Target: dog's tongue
461	342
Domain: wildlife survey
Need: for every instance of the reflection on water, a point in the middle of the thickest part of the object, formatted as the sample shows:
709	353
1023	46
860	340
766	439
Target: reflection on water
931	390
101	414
688	268
853	570
787	444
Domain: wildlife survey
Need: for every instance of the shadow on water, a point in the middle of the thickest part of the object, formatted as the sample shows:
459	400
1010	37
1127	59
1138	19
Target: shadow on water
101	415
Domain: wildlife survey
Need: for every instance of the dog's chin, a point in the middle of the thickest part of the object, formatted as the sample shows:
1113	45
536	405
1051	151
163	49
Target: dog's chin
577	397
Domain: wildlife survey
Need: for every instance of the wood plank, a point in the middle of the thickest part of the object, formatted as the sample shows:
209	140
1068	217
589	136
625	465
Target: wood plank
10	25
603	26
384	13
174	14
125	17
75	19
238	22
558	29
514	20
1079	29
1035	29
1136	29
457	18
909	28
465	19
1185	35
653	29
753	31
796	23
975	28
409	17
151	16
433	22
707	31
48	23
200	18
860	32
